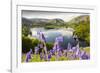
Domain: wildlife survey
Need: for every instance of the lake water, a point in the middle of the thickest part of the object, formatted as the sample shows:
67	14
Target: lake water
51	34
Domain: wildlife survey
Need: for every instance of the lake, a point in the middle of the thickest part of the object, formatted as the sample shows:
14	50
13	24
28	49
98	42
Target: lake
51	34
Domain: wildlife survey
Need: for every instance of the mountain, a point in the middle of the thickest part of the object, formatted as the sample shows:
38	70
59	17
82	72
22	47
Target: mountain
57	21
26	21
41	21
82	18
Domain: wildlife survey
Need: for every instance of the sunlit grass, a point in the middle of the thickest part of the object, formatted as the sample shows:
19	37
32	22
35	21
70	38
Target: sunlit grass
23	57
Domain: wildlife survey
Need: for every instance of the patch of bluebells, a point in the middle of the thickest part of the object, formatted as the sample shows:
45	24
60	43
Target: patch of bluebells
28	55
57	50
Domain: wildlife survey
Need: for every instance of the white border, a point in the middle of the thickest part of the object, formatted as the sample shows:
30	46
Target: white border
17	66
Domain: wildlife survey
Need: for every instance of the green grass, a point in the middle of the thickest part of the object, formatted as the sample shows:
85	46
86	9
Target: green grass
86	49
36	58
23	57
53	58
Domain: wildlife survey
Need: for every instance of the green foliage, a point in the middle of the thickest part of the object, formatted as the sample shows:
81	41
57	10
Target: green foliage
25	30
53	58
83	32
36	58
28	43
23	57
81	27
49	46
87	50
63	58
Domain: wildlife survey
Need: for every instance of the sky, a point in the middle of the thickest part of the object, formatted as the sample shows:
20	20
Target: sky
66	16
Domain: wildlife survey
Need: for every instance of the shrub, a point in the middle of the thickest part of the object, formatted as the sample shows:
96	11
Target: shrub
28	43
49	46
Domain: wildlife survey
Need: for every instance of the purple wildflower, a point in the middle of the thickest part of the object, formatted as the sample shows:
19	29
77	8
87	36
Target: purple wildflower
84	55
54	47
69	46
78	52
60	53
41	36
38	32
45	58
74	48
41	45
30	51
77	46
51	52
41	55
28	55
36	50
27	59
57	46
49	56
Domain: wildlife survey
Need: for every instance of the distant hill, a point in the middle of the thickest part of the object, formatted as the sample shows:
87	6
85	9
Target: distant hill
82	18
57	21
41	21
26	21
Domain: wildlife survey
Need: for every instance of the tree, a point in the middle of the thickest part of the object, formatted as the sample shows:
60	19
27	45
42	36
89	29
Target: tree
28	43
25	30
83	32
